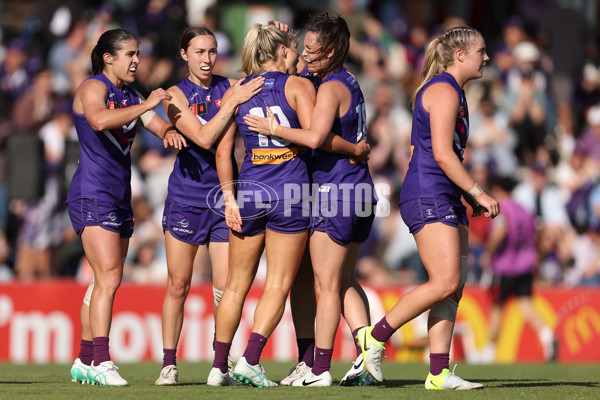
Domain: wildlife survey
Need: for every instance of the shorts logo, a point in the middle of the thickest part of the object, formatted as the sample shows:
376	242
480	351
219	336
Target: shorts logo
112	217
184	223
89	216
429	213
273	156
452	214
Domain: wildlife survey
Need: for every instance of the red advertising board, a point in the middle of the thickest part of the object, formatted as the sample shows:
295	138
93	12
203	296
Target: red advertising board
39	323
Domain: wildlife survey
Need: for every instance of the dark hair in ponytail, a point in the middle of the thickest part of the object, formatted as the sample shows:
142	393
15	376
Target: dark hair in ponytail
110	42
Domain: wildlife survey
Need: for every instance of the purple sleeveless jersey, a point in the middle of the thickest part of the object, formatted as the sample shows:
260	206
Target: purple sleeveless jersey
104	170
271	161
337	172
194	173
517	255
425	178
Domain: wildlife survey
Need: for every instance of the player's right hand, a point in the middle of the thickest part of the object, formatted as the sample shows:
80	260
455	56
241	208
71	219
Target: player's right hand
156	97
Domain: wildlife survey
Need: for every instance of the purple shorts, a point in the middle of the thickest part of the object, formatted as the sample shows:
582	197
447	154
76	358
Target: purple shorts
194	225
418	212
344	222
91	212
280	216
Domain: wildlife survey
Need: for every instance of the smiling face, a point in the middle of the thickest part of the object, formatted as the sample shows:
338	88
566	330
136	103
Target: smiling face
124	64
201	57
312	52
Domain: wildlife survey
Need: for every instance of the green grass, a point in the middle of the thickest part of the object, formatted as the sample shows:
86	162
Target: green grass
520	381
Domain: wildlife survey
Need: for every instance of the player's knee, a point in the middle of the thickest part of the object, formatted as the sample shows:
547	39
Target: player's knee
454	284
108	283
178	288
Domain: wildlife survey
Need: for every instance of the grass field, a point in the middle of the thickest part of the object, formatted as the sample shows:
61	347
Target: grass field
522	381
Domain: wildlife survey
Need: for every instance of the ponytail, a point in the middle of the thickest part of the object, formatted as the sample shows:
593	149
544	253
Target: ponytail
110	42
261	45
431	67
440	54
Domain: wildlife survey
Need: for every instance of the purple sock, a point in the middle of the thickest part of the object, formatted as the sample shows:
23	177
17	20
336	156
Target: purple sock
169	357
101	353
86	351
255	346
221	353
438	361
358	349
322	361
382	331
306	351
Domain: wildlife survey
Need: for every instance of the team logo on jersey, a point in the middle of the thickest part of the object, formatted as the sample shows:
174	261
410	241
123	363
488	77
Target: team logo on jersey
352	81
218	103
269	83
199	108
208	98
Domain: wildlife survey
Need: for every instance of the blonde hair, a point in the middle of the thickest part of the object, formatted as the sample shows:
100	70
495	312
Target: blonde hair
261	44
440	53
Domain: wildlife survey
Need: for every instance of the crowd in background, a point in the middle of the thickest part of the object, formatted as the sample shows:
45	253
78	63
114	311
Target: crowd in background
534	118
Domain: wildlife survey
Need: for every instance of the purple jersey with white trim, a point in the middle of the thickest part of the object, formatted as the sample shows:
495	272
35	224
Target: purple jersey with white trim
195	172
104	169
271	160
425	178
332	169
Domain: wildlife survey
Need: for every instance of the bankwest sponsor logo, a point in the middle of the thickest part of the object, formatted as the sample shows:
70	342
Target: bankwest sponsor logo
273	156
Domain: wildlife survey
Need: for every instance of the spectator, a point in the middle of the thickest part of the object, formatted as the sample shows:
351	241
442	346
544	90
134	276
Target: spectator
15	77
34	107
589	141
526	102
567	38
66	52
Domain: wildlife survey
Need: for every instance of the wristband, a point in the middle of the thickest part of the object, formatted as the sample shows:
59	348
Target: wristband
475	191
273	124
